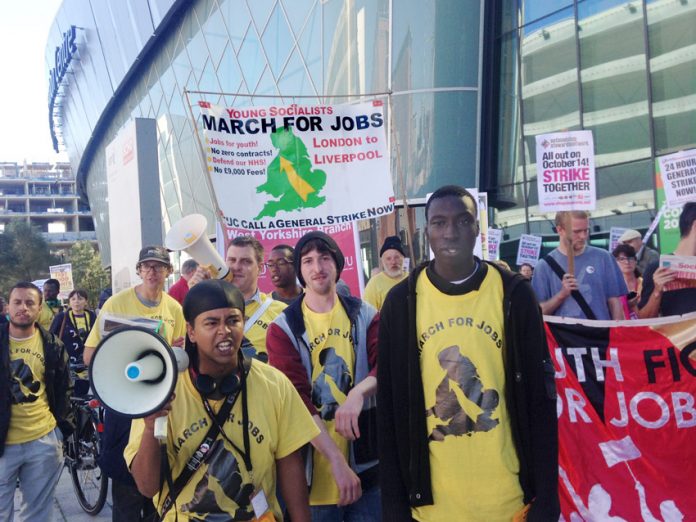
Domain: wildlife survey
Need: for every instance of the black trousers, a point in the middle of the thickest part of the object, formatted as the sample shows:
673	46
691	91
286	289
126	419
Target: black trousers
129	505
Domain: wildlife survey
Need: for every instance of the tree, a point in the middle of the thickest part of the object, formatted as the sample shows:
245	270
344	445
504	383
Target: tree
87	271
24	255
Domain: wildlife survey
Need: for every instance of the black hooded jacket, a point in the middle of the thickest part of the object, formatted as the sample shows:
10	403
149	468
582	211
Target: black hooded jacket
58	381
530	395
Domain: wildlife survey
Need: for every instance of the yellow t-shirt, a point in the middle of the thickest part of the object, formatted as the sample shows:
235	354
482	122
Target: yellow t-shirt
126	303
257	332
279	424
333	360
46	315
31	418
473	463
378	287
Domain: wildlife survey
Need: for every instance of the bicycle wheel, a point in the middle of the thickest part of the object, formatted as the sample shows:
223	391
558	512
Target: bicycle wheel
89	482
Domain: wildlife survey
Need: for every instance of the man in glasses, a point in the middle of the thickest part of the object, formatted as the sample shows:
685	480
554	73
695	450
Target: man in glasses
282	270
147	300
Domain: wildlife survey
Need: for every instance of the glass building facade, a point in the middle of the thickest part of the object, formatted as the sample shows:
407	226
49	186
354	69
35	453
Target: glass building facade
471	82
626	70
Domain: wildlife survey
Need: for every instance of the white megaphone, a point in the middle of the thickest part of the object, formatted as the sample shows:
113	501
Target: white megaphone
134	371
188	234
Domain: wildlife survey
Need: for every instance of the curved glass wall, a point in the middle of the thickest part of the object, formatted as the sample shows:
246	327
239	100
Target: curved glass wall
273	51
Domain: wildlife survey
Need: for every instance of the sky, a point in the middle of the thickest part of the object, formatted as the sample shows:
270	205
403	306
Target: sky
24	133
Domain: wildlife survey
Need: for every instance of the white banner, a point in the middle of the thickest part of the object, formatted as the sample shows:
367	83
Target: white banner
528	249
678	173
296	166
566	171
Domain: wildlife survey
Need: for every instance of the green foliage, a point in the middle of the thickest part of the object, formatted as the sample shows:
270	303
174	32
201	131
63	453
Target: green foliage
87	271
24	255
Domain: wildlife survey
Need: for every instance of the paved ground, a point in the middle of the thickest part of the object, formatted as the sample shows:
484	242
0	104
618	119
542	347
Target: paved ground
66	507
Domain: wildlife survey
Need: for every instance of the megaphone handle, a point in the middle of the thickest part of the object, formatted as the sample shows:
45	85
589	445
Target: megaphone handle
161	428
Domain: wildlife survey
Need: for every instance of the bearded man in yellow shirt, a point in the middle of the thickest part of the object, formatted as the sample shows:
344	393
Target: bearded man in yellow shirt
467	406
392	257
35	389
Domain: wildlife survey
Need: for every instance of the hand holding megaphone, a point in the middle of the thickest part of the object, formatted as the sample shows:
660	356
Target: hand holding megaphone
189	234
134	373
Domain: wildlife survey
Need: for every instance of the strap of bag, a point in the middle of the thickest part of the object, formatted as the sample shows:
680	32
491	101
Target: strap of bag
259	312
199	456
575	293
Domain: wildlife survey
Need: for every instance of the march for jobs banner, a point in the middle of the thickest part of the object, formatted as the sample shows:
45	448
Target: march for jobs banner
528	249
565	171
281	167
345	235
626	418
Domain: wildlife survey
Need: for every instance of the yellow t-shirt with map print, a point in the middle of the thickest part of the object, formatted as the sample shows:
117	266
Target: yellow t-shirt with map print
256	333
126	303
279	424
31	418
473	463
333	360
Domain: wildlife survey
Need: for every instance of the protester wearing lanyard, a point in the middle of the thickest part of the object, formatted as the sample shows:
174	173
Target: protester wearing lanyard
235	425
72	326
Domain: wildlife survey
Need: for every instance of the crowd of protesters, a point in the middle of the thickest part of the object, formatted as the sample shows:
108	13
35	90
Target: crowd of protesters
280	413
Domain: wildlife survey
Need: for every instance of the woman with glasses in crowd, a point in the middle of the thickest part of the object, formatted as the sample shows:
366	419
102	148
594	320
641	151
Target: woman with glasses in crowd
625	256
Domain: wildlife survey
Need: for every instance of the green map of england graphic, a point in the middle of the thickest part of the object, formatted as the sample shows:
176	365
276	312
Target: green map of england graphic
290	177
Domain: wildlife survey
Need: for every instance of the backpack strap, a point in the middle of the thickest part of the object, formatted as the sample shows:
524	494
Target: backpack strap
575	293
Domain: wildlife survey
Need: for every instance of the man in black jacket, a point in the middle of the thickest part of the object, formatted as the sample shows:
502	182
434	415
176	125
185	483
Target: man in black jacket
467	411
35	388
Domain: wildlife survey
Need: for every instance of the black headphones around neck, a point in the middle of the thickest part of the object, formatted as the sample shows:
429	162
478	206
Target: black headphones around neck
208	386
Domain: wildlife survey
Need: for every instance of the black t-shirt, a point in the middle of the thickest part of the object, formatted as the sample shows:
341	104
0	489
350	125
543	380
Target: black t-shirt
674	302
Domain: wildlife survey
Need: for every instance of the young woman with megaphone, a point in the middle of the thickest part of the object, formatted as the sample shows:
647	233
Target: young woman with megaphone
235	425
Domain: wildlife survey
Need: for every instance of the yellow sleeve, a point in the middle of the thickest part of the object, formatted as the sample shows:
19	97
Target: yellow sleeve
136	433
179	322
372	293
295	424
94	336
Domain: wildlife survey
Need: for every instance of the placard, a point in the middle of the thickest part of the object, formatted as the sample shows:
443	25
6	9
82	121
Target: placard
565	171
528	250
678	172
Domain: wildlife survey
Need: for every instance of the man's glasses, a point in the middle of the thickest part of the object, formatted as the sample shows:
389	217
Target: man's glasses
623	259
158	268
281	263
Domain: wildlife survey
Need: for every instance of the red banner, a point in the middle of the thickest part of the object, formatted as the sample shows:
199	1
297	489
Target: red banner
345	235
627	419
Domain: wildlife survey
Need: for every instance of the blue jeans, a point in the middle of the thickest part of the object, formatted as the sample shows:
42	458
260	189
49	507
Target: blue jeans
368	508
37	464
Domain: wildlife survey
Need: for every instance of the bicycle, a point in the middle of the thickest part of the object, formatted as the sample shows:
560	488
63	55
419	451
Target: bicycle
82	450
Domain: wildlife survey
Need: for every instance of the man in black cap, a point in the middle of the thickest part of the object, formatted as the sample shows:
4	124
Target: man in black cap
392	257
257	418
326	344
146	300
